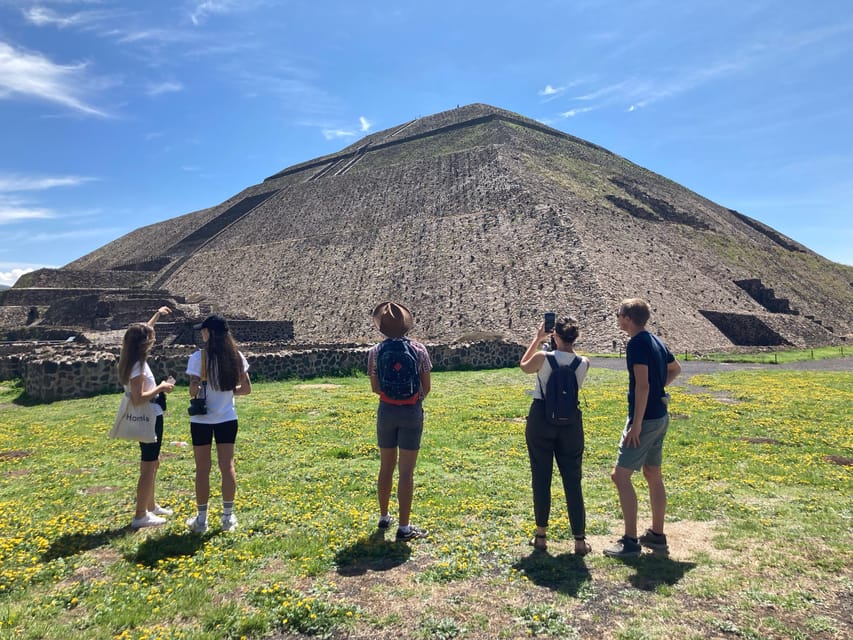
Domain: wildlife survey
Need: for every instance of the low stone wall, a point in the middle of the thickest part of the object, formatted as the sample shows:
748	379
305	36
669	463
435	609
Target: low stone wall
67	372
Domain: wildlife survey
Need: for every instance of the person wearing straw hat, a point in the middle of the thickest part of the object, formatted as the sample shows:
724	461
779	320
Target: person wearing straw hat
399	372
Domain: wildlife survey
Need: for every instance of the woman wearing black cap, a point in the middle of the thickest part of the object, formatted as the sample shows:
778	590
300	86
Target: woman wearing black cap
399	373
217	373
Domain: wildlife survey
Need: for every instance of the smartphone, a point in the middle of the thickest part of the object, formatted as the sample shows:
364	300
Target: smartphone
550	321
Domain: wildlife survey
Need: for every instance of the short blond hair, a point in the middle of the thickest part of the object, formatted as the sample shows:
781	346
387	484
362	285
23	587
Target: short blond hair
637	310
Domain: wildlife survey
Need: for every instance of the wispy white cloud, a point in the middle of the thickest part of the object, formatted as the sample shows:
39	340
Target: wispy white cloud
334	134
571	113
201	11
640	92
44	17
365	124
10	213
15	208
12	182
550	91
164	87
46	237
31	75
614	89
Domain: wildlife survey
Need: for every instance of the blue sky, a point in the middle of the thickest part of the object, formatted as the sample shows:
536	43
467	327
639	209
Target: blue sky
119	114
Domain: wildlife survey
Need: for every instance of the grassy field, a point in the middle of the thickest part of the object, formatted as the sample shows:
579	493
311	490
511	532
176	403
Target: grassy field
759	473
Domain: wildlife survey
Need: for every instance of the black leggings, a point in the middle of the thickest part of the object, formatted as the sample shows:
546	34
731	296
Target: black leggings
546	442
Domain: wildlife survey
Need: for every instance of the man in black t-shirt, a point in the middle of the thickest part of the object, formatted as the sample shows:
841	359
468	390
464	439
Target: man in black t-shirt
651	367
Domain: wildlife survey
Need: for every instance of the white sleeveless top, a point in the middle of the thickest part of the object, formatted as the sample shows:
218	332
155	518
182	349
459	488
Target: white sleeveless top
563	358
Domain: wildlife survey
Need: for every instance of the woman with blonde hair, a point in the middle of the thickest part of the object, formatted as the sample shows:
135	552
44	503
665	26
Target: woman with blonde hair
138	379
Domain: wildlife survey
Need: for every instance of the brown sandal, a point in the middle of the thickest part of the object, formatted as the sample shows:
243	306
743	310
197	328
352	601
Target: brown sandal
538	542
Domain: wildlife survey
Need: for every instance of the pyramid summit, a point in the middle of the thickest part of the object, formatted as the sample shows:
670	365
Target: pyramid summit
478	219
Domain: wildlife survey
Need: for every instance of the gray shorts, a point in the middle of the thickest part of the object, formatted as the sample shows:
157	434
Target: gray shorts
650	450
399	426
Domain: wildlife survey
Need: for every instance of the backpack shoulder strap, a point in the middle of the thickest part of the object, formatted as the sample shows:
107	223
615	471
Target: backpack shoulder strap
575	363
554	366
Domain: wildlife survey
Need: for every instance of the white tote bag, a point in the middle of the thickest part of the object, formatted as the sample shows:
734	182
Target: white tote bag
134	422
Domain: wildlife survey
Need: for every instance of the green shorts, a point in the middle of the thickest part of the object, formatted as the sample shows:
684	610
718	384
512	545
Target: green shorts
650	451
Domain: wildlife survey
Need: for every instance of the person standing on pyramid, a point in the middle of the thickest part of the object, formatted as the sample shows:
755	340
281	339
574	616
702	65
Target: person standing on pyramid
399	372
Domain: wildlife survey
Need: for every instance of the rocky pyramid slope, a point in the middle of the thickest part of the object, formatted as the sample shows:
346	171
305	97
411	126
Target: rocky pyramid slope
480	219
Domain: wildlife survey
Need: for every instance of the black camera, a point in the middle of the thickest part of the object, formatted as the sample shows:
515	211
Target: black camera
197	407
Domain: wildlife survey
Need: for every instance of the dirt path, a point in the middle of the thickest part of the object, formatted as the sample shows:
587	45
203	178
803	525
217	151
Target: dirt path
692	367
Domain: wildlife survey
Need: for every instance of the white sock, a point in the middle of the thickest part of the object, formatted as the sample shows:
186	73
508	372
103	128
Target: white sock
202	513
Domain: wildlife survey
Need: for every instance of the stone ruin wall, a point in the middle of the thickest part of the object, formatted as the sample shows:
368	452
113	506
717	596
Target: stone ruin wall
79	279
61	373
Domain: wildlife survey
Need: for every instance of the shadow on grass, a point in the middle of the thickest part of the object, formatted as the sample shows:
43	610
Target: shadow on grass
373	553
171	545
656	570
71	544
566	573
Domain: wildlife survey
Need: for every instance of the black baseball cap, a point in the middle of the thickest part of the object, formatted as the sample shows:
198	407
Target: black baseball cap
213	323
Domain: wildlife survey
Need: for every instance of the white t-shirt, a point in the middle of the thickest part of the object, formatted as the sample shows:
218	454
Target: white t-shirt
220	404
145	371
563	358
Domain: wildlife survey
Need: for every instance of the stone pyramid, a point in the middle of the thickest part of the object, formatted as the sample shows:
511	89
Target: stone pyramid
479	220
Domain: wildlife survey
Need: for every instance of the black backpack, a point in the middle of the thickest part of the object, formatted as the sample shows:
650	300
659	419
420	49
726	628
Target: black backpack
397	369
561	394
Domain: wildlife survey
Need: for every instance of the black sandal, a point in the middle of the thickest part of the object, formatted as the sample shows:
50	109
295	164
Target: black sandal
538	542
585	549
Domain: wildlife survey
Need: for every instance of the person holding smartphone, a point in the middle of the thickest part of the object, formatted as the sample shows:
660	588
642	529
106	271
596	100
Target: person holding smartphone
547	442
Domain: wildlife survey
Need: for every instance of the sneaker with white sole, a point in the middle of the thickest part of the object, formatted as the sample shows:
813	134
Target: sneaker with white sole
161	511
411	533
384	522
229	522
624	547
148	520
196	525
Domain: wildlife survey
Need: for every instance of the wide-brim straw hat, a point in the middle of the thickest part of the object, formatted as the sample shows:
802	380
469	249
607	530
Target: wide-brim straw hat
392	319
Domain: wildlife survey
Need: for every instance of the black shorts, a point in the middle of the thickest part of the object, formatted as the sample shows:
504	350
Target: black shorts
204	434
150	451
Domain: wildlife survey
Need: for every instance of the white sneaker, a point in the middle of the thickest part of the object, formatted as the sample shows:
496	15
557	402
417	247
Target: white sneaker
161	511
229	522
148	520
196	525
